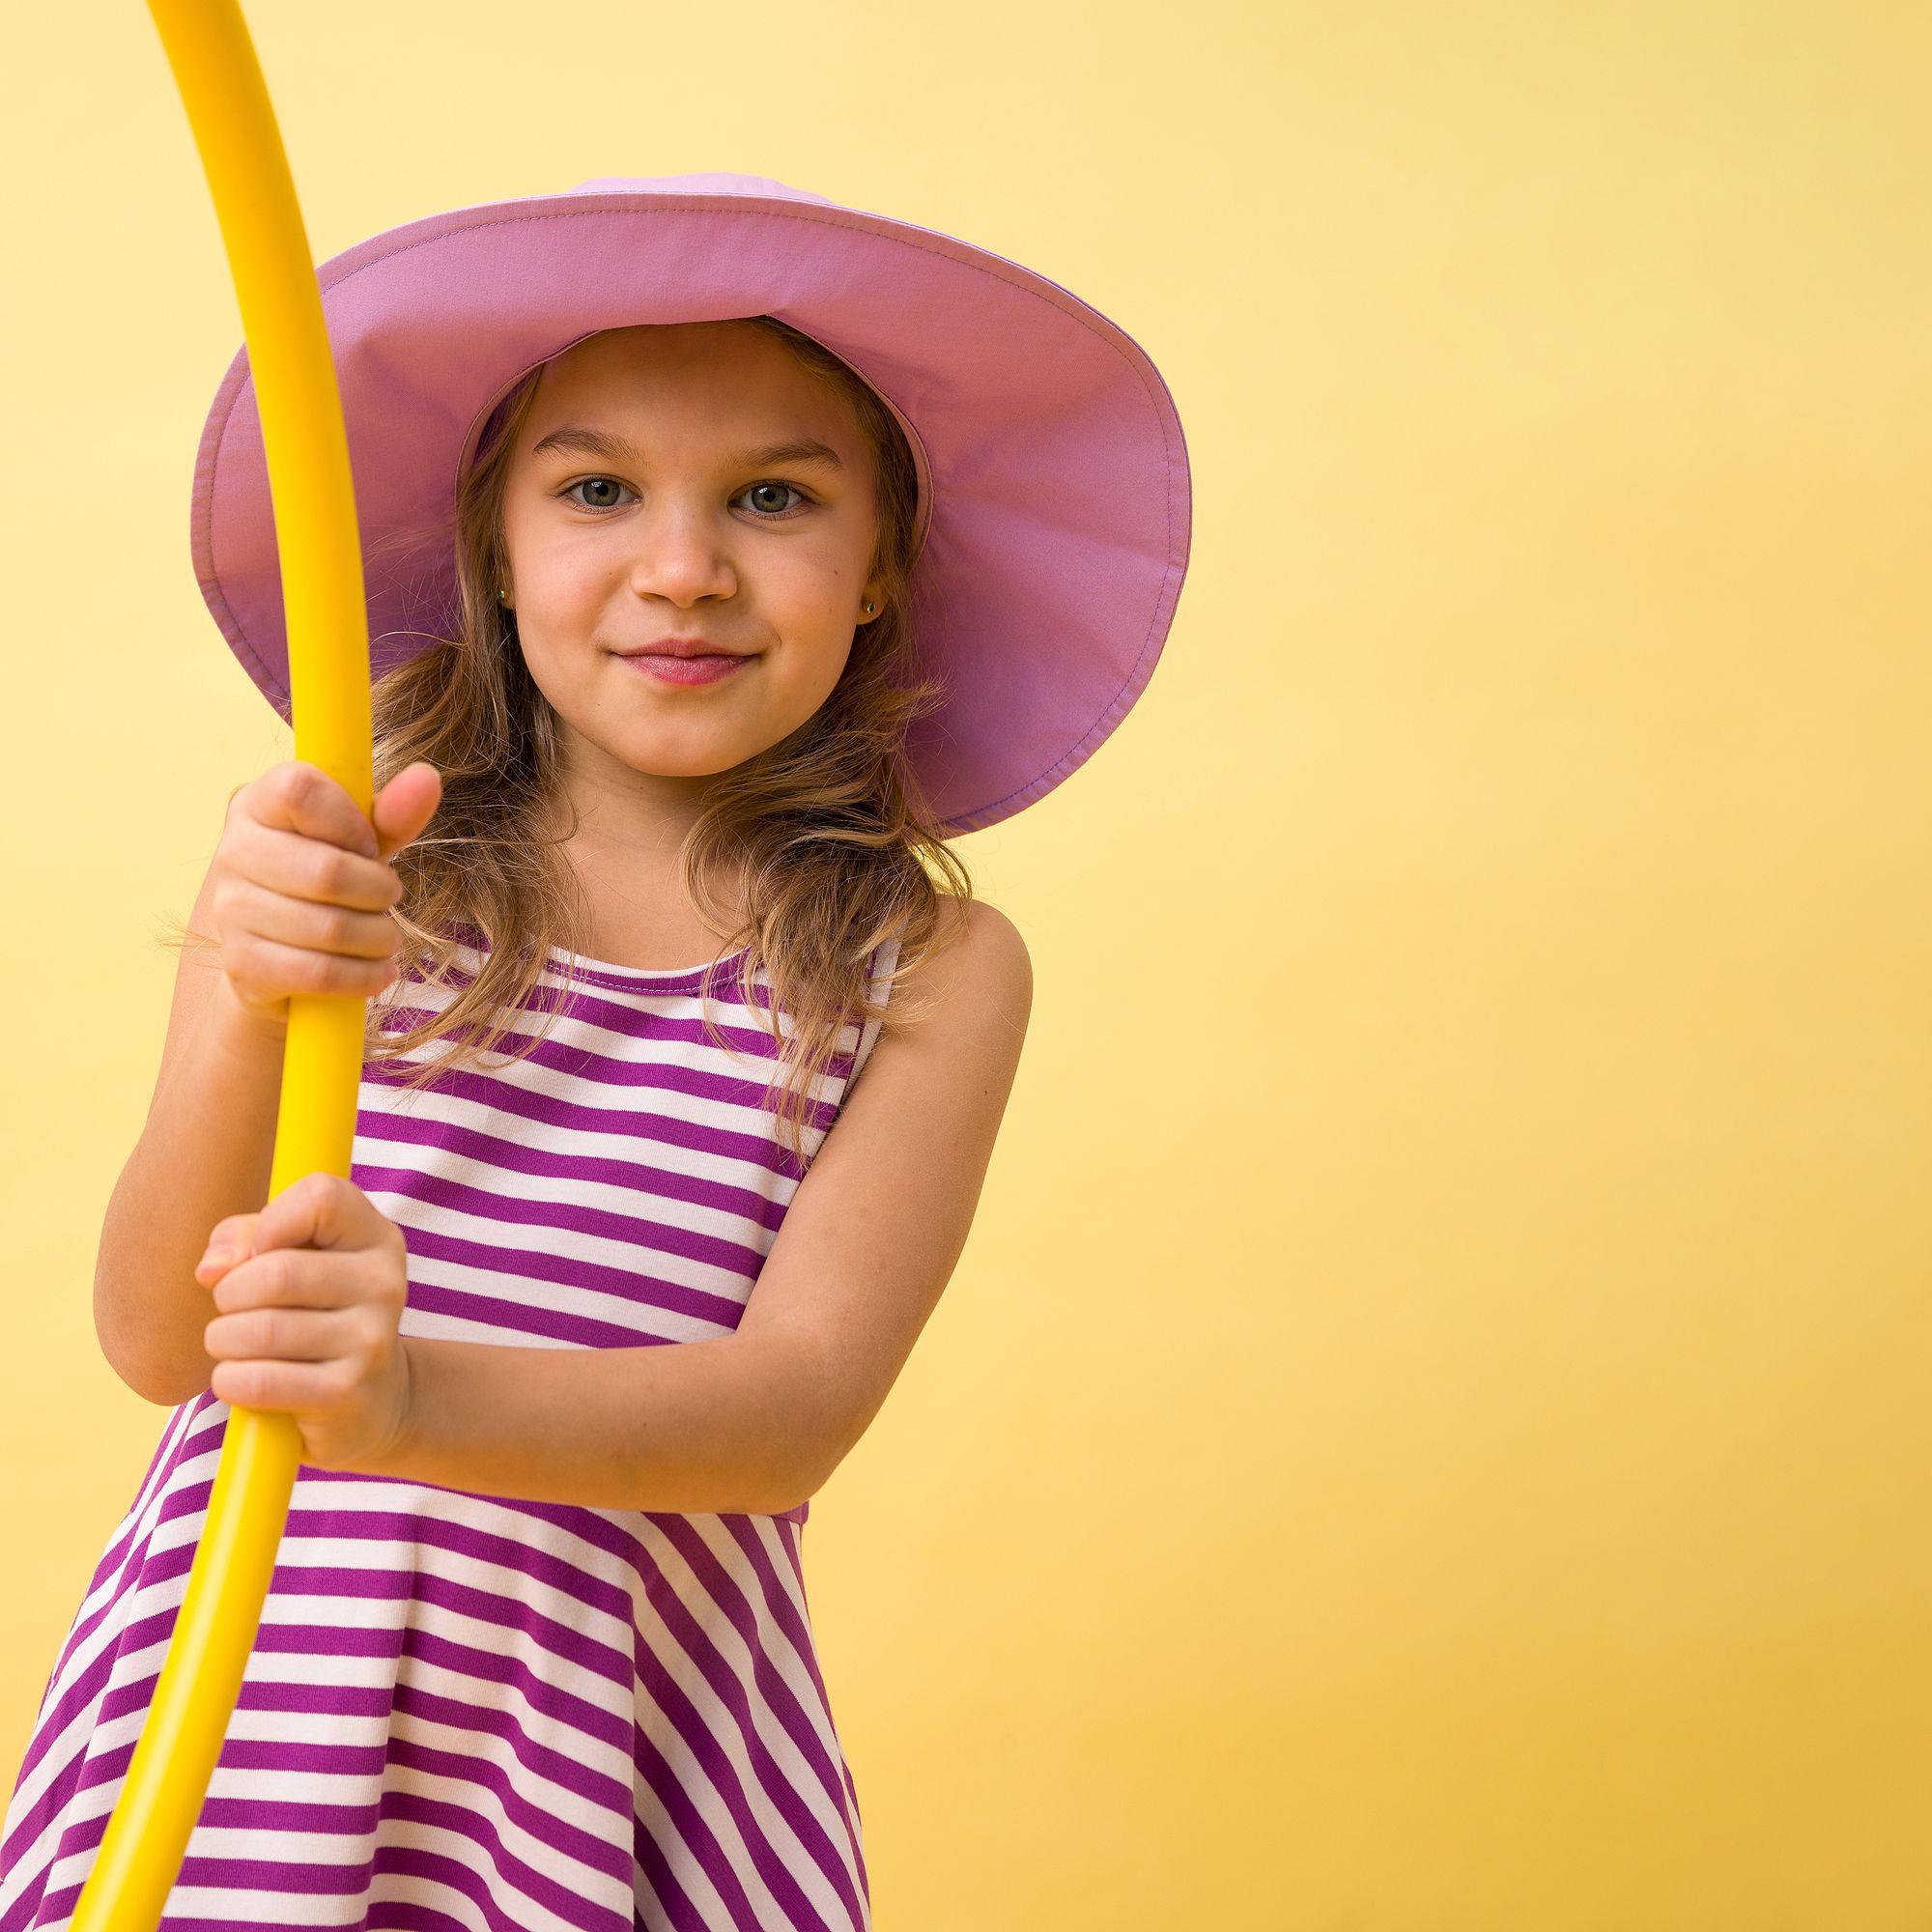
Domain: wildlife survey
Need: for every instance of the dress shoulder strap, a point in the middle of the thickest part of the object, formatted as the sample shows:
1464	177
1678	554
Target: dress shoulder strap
885	956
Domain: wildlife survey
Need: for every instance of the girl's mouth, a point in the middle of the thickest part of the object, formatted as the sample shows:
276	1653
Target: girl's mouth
686	671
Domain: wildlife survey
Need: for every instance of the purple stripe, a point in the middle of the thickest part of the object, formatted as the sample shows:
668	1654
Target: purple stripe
528	1326
555	1163
509	1209
479	1888
654	1872
794	1556
646	986
785	1611
545	1827
604	1072
567	1773
313	1759
333	1760
311	1880
374	1703
162	1459
517	1321
398	1915
237	1755
548	1567
206	1437
548	1699
36	1905
745	1024
705	1067
553	1639
620	1284
508	1613
270	1817
748	1145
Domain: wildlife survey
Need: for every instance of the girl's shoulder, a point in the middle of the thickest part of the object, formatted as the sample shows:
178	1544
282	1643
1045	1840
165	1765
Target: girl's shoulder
989	940
978	974
975	926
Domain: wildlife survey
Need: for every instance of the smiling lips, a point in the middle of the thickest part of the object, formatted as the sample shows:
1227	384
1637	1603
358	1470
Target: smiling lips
703	668
681	647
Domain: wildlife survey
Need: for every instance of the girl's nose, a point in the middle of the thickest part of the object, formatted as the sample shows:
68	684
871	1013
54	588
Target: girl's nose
682	556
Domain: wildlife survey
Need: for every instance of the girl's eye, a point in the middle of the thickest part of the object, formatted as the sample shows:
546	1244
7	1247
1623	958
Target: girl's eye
593	483
775	484
612	483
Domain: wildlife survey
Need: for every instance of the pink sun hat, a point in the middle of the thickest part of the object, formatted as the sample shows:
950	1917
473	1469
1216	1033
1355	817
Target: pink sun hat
1054	498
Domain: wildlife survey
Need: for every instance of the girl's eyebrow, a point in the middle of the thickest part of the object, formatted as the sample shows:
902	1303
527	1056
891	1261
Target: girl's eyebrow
579	441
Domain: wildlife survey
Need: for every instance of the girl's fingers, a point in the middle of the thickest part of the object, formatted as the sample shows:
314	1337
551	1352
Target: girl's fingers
218	1263
227	1239
285	1335
279	1386
350	931
283	1278
316	872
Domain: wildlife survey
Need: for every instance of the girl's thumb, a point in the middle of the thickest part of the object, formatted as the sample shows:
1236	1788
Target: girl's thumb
405	806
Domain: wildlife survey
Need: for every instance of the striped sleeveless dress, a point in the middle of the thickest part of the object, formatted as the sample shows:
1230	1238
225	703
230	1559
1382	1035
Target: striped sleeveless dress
465	1710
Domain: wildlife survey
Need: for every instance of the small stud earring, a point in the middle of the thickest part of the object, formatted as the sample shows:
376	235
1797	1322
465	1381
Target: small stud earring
868	609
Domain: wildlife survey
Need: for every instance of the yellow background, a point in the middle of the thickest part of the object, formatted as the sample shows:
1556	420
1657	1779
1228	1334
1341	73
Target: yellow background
1430	1428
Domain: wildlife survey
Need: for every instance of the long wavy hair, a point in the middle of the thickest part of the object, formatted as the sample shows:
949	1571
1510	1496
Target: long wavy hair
833	845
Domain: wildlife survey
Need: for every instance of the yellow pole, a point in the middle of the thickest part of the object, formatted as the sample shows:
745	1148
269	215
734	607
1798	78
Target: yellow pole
213	59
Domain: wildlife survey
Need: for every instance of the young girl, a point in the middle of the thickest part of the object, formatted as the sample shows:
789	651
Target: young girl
728	549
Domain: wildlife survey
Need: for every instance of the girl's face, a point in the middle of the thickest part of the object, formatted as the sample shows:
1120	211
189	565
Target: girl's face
686	520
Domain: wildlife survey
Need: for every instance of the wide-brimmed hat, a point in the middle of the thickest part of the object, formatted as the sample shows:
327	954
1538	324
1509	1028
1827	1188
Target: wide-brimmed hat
1054	501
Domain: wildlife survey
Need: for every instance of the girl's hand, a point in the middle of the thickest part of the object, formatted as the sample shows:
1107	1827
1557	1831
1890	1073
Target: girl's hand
303	888
310	1295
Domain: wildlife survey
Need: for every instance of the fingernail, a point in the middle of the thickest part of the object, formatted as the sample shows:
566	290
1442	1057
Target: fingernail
216	1257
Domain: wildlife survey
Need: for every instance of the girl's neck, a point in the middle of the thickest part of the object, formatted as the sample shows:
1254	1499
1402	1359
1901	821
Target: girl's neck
637	912
638	916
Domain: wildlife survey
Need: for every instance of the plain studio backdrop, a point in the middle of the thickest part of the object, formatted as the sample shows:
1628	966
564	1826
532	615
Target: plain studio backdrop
1430	1430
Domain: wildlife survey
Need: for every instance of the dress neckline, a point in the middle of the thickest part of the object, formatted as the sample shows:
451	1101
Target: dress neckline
610	969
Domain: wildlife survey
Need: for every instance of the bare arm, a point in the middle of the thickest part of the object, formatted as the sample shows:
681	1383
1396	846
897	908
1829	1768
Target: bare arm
692	1428
206	1152
877	1226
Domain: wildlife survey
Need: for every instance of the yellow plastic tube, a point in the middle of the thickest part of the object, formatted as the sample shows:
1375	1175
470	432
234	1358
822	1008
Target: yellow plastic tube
213	59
